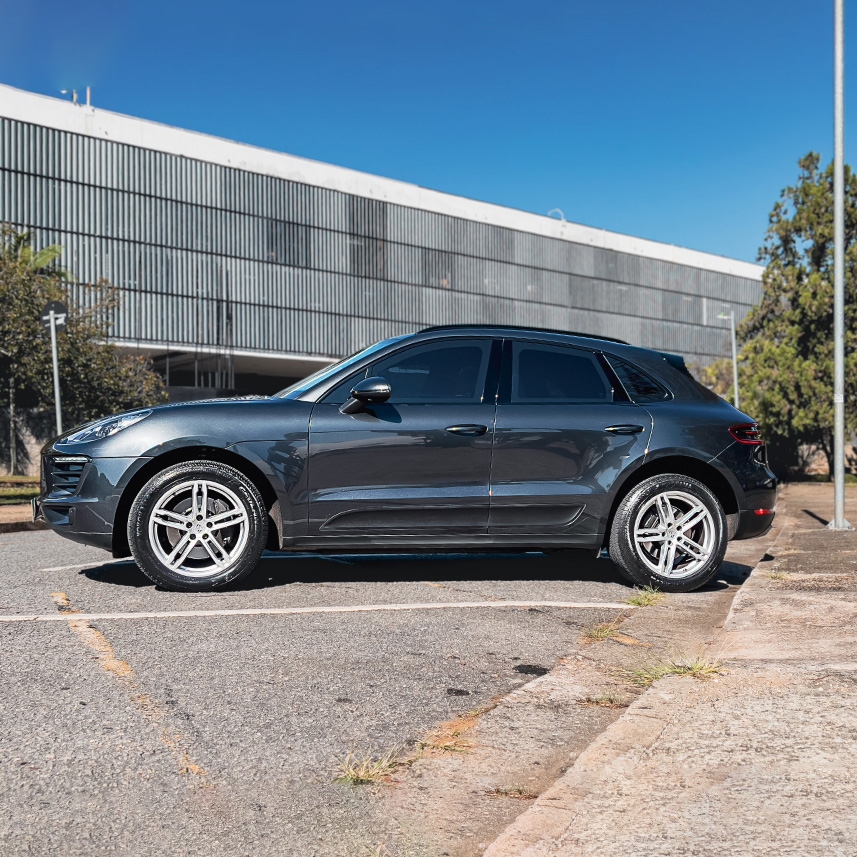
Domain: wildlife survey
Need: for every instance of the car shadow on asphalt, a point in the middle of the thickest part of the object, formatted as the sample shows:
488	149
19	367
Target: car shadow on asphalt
277	569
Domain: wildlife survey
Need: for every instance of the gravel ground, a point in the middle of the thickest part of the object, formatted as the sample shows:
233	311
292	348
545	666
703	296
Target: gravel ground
201	735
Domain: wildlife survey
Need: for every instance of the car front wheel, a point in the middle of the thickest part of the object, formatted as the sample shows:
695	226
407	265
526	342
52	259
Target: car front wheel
669	532
197	526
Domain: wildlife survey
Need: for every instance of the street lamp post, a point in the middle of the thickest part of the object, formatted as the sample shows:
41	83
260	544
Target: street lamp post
731	317
839	522
13	452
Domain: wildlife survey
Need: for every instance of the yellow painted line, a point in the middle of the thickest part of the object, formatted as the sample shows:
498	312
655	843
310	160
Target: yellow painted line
299	611
151	710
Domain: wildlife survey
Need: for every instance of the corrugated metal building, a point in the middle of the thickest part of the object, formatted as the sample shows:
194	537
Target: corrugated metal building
241	268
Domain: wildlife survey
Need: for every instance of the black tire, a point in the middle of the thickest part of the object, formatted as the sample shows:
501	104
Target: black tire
643	512
207	550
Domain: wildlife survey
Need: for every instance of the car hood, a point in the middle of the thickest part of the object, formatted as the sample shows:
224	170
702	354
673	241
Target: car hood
202	423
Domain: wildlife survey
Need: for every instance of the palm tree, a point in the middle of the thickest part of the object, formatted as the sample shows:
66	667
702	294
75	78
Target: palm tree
17	249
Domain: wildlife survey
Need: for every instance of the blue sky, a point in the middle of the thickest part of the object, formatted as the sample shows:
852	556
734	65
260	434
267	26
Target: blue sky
676	121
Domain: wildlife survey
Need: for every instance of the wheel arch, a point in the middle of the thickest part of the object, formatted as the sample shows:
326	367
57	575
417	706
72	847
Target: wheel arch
179	456
683	465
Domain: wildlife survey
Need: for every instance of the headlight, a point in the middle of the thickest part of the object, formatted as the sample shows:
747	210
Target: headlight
104	428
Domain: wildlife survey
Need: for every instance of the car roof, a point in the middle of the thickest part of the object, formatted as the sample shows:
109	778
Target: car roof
596	343
505	328
663	362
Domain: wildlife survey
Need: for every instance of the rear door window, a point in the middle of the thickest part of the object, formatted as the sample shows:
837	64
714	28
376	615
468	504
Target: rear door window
549	374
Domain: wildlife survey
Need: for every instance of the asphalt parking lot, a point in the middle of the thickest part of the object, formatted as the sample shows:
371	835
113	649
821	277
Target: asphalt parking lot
183	733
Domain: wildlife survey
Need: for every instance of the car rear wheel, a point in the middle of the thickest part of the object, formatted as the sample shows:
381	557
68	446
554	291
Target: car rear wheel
669	532
197	526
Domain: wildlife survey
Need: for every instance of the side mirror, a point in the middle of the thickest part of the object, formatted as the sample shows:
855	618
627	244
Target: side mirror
369	391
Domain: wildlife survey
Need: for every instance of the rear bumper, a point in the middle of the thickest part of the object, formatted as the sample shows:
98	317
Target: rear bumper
757	511
751	525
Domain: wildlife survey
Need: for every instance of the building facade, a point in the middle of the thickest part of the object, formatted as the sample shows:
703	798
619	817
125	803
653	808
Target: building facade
241	268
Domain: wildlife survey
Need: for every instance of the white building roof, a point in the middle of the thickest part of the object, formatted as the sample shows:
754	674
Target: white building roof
80	119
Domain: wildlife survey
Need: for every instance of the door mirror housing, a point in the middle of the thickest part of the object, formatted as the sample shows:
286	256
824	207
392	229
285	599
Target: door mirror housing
369	391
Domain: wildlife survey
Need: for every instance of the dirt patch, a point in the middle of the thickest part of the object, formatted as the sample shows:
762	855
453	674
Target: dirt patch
454	736
816	582
450	802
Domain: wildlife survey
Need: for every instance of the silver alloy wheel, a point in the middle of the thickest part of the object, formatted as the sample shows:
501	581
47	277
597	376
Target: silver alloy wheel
674	534
199	528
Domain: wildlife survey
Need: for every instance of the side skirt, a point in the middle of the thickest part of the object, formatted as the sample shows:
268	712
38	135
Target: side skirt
443	544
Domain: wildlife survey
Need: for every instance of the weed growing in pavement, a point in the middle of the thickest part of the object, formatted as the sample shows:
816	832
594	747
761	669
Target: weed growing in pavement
360	770
604	631
777	575
518	792
645	596
698	666
606	700
380	851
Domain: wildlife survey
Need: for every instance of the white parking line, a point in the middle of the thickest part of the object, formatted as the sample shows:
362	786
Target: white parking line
86	565
291	611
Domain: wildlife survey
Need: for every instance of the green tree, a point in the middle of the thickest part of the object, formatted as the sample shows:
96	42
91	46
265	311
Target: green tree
95	378
786	370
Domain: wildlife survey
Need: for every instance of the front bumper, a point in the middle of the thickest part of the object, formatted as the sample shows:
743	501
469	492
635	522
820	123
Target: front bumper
83	508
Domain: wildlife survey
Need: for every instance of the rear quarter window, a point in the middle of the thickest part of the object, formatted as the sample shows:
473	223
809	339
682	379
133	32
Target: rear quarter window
639	385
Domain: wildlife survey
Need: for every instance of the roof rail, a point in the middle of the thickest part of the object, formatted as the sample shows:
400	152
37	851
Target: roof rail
520	327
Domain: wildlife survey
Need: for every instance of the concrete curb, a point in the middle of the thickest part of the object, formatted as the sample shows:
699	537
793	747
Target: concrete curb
619	747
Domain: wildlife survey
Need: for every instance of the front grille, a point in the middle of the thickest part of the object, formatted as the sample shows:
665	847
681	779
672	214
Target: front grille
63	473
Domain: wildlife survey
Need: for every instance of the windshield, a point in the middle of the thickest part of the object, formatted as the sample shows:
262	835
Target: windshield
305	384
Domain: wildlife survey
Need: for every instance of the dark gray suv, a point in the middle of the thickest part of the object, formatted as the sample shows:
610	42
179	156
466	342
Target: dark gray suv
466	438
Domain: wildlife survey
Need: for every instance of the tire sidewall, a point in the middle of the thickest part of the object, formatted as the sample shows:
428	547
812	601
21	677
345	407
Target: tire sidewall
623	548
165	481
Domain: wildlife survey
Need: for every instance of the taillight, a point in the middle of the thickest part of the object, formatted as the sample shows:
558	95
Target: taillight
747	433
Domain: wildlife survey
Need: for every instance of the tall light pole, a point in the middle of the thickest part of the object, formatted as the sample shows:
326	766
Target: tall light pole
731	316
839	522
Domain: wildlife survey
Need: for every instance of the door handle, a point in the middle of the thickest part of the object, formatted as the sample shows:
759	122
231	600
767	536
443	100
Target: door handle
467	429
625	429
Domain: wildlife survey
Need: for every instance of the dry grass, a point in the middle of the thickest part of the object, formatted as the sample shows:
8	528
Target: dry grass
604	631
363	769
516	792
777	575
645	596
606	700
379	851
698	666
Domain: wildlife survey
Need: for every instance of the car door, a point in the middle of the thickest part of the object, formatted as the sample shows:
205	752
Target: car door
420	462
562	436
